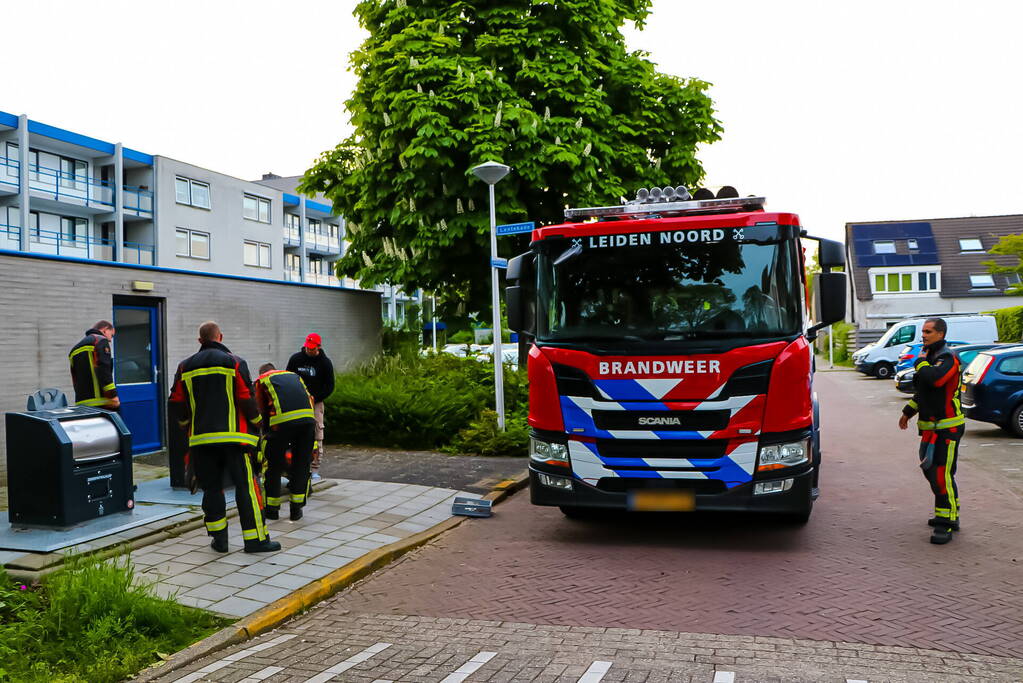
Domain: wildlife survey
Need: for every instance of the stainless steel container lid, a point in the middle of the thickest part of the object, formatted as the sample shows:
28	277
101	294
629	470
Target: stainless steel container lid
92	438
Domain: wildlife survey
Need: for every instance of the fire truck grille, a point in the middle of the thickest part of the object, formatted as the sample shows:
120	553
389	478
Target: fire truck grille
690	449
662	421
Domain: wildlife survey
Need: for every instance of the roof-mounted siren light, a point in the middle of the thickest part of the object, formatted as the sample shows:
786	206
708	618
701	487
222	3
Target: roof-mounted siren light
656	195
642	195
702	194
728	192
682	194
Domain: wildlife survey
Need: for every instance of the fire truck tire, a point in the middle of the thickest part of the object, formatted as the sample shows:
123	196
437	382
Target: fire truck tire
884	371
1016	421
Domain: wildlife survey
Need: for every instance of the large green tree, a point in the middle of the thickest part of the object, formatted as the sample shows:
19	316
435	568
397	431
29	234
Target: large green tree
546	87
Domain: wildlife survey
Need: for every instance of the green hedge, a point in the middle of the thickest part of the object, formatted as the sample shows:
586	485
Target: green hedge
432	402
1010	323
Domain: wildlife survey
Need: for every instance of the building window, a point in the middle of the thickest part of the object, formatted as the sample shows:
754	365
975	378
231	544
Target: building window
256	208
292	221
73	173
315	226
912	245
192	192
970	244
192	243
981	281
884	246
73	229
257	254
293	262
927	282
892	283
333	231
1012	278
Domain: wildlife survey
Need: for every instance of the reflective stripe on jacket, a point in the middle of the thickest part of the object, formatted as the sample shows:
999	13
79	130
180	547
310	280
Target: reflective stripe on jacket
212	387
92	370
282	397
936	395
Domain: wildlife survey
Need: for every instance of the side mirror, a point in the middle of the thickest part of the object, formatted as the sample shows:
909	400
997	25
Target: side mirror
830	254
521	292
829	302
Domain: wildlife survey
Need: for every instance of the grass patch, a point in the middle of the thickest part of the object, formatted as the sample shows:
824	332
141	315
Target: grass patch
89	623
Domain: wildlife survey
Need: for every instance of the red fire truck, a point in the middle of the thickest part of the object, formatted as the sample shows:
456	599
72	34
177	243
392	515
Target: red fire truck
671	366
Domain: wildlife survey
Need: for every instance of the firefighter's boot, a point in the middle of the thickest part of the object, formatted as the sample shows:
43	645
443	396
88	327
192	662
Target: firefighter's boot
219	542
264	546
272	512
935	521
296	511
941	535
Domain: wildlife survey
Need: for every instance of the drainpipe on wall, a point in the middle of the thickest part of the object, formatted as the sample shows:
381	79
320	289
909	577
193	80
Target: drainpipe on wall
301	240
23	196
119	203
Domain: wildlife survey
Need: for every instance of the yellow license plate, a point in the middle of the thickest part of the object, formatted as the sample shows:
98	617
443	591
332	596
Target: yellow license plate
662	501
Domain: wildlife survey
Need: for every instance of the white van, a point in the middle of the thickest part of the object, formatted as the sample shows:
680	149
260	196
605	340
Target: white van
880	358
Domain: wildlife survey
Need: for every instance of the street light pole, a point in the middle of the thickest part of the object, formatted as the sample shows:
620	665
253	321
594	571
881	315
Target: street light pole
491	173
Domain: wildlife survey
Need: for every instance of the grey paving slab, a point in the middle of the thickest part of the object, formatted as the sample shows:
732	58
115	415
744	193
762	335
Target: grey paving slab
263	593
47	540
235	606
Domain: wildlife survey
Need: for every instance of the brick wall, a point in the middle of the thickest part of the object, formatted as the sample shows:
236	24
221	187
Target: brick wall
47	304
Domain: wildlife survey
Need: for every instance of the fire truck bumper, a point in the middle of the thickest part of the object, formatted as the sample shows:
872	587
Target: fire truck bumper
786	494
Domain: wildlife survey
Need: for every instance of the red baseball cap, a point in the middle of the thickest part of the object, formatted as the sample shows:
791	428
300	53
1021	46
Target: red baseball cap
313	341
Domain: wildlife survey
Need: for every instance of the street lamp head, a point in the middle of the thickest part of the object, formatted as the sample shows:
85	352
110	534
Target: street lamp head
490	172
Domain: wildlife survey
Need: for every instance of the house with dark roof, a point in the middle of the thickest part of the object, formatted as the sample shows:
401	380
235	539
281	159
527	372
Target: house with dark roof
900	269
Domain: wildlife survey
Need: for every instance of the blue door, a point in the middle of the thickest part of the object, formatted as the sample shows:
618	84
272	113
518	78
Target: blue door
136	362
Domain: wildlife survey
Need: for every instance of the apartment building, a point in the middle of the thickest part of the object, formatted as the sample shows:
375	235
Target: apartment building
906	268
94	230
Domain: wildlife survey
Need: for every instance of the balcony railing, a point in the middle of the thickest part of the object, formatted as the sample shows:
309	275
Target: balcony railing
322	279
292	237
138	199
321	241
79	246
64	186
10	172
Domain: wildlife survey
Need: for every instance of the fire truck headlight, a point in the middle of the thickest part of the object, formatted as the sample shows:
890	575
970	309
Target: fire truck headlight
777	456
547	452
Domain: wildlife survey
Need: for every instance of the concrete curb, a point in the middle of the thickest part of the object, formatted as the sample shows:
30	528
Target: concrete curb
278	612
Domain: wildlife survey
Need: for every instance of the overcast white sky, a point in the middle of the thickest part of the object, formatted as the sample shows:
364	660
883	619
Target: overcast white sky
836	111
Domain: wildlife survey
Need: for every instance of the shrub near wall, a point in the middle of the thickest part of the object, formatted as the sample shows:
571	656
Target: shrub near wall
431	402
1010	323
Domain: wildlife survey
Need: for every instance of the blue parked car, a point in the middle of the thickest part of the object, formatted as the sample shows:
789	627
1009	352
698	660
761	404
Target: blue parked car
993	388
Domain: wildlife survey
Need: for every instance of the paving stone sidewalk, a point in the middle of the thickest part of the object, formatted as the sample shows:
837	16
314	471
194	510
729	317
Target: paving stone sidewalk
340	524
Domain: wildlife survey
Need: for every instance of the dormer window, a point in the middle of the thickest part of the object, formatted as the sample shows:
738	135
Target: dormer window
970	244
912	245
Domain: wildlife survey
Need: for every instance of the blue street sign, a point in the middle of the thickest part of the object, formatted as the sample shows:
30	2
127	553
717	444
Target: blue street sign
499	262
515	228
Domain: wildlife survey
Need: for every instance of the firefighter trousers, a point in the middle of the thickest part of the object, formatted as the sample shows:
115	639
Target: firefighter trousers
939	453
297	437
211	462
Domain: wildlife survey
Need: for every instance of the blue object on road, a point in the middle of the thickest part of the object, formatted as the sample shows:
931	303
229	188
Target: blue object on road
471	507
515	228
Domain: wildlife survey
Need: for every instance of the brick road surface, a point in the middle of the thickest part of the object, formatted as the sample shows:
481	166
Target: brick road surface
861	571
331	644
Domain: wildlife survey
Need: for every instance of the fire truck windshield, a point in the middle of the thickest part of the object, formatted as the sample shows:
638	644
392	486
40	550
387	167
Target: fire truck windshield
644	286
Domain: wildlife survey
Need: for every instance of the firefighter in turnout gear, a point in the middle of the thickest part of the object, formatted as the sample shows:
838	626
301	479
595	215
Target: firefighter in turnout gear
288	423
941	424
92	368
212	388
